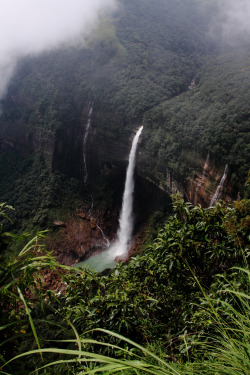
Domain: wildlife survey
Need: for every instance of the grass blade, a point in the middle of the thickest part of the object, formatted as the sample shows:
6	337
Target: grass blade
30	319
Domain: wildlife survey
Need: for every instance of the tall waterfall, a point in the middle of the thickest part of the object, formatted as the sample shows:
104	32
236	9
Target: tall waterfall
218	191
201	180
106	259
125	230
85	143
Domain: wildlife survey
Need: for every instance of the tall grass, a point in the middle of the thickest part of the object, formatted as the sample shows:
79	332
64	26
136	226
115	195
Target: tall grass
229	347
225	352
20	277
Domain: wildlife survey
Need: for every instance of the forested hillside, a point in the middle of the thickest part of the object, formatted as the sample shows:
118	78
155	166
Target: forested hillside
211	118
135	67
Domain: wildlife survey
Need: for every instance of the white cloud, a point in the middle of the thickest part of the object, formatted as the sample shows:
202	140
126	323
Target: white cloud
232	23
32	26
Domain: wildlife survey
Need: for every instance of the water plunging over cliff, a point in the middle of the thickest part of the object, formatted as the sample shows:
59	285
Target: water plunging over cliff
125	230
86	133
126	220
201	180
218	191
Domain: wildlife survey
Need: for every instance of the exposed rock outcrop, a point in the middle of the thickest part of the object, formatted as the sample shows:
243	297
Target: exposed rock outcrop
202	187
80	237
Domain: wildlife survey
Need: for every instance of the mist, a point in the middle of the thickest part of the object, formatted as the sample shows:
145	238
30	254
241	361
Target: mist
232	23
29	27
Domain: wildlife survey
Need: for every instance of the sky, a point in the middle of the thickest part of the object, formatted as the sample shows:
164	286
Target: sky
28	27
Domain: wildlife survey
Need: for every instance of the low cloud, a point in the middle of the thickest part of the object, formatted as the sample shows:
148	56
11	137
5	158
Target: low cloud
232	23
32	26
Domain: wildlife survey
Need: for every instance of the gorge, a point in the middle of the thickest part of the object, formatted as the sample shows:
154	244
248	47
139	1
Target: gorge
59	155
124	192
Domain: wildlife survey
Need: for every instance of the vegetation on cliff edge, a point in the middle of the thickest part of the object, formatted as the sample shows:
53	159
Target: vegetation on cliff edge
183	299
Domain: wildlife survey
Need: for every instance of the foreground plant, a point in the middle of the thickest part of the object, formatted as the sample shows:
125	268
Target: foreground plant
225	352
159	298
136	359
229	346
21	289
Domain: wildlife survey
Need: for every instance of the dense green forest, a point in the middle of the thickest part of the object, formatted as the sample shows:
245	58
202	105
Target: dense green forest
181	305
212	118
183	299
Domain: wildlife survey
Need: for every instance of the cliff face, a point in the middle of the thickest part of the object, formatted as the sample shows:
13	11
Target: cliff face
107	156
106	161
198	188
203	187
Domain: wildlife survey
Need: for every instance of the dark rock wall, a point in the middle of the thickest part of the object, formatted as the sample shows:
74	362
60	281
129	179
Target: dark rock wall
67	152
106	157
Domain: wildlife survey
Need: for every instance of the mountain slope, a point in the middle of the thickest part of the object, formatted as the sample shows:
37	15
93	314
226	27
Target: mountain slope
136	68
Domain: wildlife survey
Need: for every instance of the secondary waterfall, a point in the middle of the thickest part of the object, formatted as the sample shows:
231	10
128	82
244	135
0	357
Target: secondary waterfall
218	191
85	178
85	142
98	226
201	180
126	220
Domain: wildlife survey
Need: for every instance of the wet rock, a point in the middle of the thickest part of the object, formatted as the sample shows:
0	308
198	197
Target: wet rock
81	237
59	224
82	215
93	224
121	258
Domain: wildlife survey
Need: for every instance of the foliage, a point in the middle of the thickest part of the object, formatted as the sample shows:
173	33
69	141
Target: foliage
210	118
227	310
5	237
225	353
136	68
22	294
247	185
157	292
38	195
170	296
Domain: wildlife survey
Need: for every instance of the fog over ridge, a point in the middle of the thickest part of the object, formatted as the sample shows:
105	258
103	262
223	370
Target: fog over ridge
33	26
232	23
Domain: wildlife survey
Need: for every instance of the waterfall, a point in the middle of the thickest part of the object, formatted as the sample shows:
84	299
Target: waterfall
85	142
201	180
218	191
103	235
125	230
106	259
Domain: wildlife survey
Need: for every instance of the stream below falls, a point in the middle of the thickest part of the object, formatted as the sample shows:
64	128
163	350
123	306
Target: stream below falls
99	262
